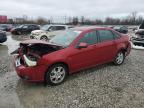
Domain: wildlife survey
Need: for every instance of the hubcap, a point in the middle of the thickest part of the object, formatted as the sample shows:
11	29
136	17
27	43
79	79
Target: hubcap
44	38
57	74
120	58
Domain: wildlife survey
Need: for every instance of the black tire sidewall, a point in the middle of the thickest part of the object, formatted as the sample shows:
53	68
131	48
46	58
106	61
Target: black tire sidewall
47	76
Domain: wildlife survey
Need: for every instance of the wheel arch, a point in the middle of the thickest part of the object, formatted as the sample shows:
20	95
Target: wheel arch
60	62
124	50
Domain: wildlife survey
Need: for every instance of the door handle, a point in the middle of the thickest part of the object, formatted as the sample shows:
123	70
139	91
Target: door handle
94	45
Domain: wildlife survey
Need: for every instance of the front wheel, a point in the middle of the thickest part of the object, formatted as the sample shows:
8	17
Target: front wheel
119	58
56	74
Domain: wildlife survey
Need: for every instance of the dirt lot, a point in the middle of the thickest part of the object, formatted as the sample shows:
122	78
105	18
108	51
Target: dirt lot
105	86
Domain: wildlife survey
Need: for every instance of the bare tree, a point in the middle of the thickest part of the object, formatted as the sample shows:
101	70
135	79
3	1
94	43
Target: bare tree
41	21
75	21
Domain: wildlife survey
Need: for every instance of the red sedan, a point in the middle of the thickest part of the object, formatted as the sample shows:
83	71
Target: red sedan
69	52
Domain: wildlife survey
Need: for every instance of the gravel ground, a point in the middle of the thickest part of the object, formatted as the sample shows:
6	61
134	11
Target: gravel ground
105	86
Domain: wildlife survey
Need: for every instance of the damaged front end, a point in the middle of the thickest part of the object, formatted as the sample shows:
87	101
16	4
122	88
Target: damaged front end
30	52
28	59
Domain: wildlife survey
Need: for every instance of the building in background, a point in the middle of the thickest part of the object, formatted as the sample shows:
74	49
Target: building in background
3	19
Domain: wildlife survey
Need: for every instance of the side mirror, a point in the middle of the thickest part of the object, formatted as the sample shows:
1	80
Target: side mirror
82	45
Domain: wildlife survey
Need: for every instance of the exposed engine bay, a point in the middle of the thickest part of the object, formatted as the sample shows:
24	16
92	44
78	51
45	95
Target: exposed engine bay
29	53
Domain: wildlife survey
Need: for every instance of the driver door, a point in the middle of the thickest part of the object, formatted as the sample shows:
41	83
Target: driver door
24	29
85	57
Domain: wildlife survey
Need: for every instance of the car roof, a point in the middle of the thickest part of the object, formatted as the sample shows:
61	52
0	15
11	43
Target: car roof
56	25
30	24
90	28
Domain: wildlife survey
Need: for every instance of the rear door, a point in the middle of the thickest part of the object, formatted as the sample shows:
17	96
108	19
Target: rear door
107	46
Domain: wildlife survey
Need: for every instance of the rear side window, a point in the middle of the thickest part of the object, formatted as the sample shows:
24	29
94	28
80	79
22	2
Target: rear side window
89	38
105	35
25	27
60	28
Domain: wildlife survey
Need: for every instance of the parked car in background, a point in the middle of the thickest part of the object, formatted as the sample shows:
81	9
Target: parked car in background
138	42
139	34
111	27
6	27
3	36
74	50
25	29
140	28
121	29
48	31
138	39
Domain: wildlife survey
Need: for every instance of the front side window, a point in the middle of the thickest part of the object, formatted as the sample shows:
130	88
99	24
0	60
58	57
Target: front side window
89	38
25	27
105	35
45	27
52	28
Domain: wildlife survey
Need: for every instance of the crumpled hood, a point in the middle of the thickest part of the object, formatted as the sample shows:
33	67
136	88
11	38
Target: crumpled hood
35	41
31	51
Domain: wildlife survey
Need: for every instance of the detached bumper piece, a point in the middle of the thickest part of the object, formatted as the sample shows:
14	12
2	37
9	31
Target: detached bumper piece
29	62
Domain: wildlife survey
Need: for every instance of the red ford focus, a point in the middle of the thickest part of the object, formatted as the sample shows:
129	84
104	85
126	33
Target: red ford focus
69	52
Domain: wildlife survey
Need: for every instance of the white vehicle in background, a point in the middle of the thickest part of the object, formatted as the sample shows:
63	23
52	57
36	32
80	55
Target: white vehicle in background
140	28
48	31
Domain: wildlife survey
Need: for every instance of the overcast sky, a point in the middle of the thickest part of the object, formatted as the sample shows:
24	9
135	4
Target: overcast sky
89	8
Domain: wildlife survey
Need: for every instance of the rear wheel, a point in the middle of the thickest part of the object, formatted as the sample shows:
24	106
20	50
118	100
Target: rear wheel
119	58
56	74
44	38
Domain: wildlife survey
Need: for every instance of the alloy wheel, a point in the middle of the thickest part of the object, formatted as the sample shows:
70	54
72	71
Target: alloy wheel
57	75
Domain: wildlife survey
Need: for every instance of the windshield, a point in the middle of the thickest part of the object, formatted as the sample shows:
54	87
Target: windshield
65	38
141	26
20	26
117	27
45	27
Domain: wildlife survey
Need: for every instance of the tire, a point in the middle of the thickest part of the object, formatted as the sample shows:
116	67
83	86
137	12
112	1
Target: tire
56	74
19	33
44	38
120	57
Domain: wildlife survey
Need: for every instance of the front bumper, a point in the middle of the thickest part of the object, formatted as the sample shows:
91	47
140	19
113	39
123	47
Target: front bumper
128	49
32	74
